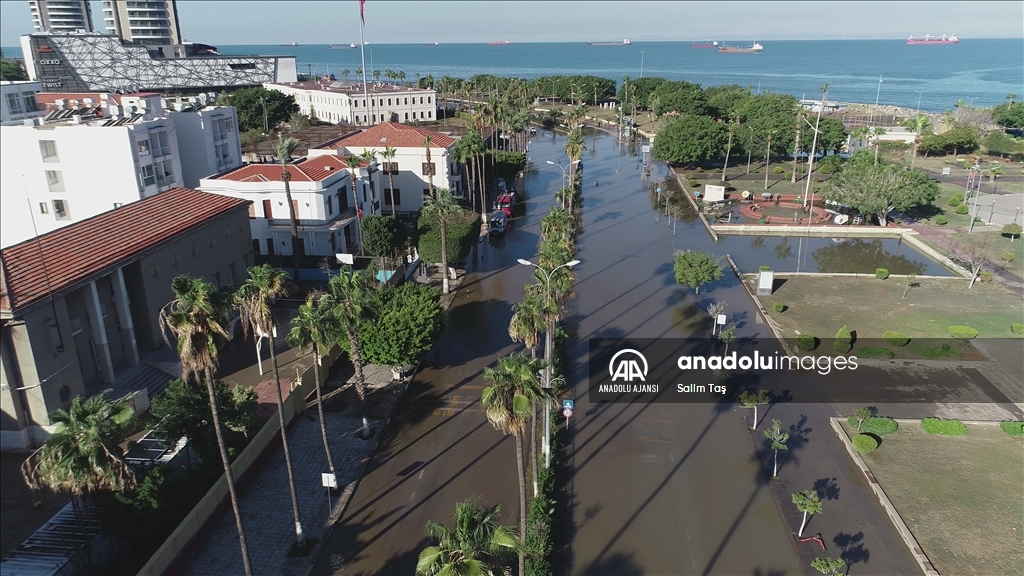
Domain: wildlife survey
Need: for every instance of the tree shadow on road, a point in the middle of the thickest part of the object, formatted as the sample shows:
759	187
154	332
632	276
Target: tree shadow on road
853	550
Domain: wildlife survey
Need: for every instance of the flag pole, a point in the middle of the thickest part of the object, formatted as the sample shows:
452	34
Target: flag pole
362	56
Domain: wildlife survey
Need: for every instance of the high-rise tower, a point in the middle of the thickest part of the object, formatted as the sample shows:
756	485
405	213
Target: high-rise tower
146	23
61	15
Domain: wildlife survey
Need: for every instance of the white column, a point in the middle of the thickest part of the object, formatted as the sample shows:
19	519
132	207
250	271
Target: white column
99	333
124	314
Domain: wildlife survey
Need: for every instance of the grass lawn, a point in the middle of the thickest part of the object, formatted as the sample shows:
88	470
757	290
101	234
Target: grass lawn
821	305
994	244
960	496
941	204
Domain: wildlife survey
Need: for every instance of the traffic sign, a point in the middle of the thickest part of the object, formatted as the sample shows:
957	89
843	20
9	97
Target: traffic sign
567	413
567	405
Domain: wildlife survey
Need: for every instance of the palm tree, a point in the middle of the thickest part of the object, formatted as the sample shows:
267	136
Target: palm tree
284	149
82	456
507	403
478	545
376	75
919	125
369	155
768	157
388	155
442	206
315	327
350	290
389	74
254	299
860	134
733	124
525	326
574	147
796	145
344	74
401	76
353	163
877	132
359	71
427	141
1011	97
196	319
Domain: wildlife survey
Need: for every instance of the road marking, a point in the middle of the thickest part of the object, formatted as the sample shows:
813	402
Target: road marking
420	476
411	496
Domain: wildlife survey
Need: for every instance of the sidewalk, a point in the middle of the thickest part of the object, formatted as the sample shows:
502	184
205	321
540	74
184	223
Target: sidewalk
263	494
941	239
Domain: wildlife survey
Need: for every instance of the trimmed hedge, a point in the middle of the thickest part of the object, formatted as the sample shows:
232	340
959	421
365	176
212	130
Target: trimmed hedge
765	268
963	332
895	338
944	351
779	170
956	200
1007	256
985	276
875	352
865	443
844	340
806	342
944	427
1017	328
779	307
1015	429
881	273
962	209
941	220
1012	230
879	425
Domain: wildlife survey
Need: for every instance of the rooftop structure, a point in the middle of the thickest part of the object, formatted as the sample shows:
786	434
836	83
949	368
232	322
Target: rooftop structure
18	101
61	15
344	102
147	23
101	63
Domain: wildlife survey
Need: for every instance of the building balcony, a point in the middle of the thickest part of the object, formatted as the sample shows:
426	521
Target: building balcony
336	222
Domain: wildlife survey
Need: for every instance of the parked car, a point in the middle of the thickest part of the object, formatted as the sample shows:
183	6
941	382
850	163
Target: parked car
506	203
497	222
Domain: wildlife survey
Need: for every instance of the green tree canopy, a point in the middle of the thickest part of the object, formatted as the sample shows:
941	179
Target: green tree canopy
831	135
769	113
691	139
463	231
479	544
727	101
382	235
1002	144
183	411
1009	115
880	189
952	141
11	70
250	101
681	98
694	268
407	321
642	89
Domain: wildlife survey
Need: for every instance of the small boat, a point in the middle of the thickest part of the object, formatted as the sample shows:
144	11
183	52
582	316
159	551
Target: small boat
496	223
752	49
289	44
341	46
624	42
429	44
506	203
705	44
499	43
929	39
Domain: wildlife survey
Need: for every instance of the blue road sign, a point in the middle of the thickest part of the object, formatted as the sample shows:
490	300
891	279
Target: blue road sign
567	405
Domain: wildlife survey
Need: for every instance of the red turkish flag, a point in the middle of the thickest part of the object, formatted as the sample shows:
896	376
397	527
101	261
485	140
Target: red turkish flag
362	11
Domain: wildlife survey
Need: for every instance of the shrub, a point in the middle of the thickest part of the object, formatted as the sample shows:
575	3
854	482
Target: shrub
691	183
1015	429
806	342
879	425
1007	256
985	276
875	352
881	273
962	209
963	332
941	220
1016	327
956	200
763	267
787	175
779	307
944	351
779	170
843	341
895	338
1012	230
865	443
762	221
944	427
717	170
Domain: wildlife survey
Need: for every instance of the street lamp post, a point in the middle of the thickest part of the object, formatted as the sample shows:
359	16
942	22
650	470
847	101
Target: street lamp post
877	94
564	168
919	94
549	347
641	63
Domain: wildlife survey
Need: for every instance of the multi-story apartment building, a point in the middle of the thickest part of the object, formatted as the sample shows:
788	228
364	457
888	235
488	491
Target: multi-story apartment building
326	204
409	169
344	102
147	23
96	152
18	101
61	15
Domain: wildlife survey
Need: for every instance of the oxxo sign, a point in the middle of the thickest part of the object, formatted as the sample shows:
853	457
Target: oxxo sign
50	62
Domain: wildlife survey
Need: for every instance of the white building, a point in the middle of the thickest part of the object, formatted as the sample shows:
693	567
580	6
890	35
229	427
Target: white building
95	152
408	169
322	196
147	23
18	101
61	15
344	102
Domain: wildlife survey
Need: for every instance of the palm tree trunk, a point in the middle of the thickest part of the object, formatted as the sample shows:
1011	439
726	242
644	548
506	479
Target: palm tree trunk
391	182
800	534
229	476
775	470
522	504
295	226
357	365
533	446
728	149
754	427
444	258
300	537
320	408
796	150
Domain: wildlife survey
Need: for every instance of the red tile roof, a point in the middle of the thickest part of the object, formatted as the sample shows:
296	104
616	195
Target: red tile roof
308	170
391	134
79	251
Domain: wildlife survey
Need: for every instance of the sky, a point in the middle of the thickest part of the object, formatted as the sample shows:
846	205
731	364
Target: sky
393	21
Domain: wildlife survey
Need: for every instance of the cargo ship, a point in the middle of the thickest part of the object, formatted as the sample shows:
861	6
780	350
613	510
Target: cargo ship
624	42
430	44
289	44
705	44
341	46
753	49
929	39
499	43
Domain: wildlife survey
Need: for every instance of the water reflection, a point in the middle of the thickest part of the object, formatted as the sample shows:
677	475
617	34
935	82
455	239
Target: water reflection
827	255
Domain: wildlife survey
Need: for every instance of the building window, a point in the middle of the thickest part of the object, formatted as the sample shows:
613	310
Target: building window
406	115
30	102
389	101
144	147
268	209
148	175
421	113
390	168
388	192
48	150
216	280
430	114
54	181
65	393
429	169
406	100
428	99
252	212
330	206
118	204
13	104
60	210
44	208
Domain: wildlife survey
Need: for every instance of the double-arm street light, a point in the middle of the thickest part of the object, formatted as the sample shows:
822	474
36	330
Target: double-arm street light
564	168
549	348
919	94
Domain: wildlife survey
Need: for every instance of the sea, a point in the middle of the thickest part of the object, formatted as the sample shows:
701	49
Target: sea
979	72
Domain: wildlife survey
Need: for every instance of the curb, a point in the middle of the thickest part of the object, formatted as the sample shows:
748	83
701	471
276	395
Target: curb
693	204
894	516
760	308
